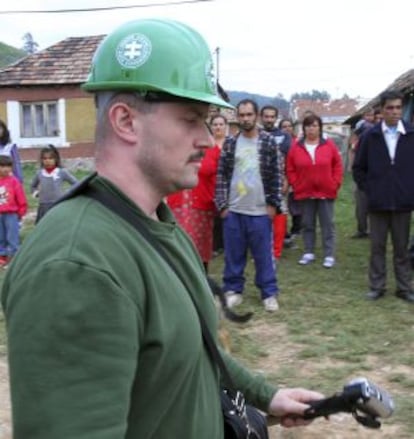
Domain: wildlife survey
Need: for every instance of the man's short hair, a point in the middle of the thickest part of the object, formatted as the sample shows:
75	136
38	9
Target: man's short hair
390	96
251	102
269	107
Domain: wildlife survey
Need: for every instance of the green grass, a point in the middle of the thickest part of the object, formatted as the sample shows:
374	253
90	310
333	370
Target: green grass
331	332
325	332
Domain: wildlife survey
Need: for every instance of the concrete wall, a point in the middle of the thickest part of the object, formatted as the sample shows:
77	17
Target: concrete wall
80	120
3	111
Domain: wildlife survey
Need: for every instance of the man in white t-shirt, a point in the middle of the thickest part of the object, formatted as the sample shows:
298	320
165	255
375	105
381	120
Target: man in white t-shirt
248	195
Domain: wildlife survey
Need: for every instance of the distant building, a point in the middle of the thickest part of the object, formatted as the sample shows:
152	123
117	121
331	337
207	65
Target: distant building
42	102
333	113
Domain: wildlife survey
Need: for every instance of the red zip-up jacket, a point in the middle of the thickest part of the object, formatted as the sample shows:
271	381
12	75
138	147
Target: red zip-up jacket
12	196
203	194
319	179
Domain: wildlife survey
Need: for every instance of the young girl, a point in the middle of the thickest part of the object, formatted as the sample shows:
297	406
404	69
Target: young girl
47	184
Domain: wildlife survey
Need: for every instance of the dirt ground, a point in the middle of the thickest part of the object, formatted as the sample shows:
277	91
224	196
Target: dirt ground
341	426
5	429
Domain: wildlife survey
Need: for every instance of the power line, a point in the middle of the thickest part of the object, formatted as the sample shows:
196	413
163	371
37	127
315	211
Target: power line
108	8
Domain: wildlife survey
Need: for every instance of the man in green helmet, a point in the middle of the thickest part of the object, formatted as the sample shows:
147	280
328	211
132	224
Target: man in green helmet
104	339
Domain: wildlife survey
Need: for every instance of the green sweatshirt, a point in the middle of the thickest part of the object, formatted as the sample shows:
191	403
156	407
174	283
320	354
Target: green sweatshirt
104	340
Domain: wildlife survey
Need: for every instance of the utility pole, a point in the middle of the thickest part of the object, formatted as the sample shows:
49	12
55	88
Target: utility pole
217	53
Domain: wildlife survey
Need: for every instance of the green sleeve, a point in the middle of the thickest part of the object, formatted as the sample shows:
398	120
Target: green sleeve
256	390
73	350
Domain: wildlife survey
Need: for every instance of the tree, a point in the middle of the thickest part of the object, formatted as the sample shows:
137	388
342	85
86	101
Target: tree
30	46
278	101
313	95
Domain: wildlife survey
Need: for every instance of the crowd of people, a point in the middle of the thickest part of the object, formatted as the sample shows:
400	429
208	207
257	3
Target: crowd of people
106	316
251	180
268	169
113	306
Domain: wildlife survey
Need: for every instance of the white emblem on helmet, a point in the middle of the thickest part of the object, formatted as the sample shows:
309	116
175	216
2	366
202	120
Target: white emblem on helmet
133	50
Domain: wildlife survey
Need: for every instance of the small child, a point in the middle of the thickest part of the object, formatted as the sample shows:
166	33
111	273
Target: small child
13	206
47	184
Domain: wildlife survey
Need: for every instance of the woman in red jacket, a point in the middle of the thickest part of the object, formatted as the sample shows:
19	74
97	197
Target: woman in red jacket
314	170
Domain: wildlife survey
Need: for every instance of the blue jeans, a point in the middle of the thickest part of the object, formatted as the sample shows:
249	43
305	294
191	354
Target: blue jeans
9	234
243	232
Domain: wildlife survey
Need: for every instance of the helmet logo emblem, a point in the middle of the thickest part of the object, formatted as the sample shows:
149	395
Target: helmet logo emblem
133	51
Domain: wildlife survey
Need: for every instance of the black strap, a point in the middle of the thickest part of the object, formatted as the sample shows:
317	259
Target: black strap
114	204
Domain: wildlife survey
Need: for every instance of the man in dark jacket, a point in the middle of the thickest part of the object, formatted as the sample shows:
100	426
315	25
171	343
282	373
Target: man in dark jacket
268	118
383	170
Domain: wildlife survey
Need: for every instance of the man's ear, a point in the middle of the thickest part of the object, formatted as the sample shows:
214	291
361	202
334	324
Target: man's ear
123	120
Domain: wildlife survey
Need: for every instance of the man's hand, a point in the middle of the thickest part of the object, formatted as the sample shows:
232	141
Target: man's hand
289	405
224	213
285	186
271	211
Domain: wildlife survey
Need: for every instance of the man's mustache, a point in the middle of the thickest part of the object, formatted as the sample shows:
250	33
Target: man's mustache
196	156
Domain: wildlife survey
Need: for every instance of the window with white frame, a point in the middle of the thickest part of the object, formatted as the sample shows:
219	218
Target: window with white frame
39	119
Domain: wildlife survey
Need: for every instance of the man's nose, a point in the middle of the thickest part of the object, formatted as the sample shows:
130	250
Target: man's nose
208	135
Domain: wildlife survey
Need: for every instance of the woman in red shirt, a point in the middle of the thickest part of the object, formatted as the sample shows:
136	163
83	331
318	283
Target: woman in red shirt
195	209
203	209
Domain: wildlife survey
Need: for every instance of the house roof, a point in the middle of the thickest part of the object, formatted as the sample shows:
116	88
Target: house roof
329	111
67	62
404	84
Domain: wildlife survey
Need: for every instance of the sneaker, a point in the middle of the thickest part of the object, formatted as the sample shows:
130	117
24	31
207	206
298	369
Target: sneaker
329	262
270	304
306	259
233	298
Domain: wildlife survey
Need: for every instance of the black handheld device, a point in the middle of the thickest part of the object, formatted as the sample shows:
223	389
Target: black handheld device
361	397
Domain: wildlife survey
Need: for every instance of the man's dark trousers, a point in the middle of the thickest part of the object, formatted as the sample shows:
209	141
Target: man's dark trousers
398	224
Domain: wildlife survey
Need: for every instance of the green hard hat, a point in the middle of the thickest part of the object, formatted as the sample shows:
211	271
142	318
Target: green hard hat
155	55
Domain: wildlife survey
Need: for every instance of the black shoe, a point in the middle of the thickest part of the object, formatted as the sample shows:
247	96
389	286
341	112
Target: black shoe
408	296
360	235
374	295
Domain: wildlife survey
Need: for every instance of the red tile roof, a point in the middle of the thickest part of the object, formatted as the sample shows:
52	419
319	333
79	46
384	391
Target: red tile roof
67	62
338	108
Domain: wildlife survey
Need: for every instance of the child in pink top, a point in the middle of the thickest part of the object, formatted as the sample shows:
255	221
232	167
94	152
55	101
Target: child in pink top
13	206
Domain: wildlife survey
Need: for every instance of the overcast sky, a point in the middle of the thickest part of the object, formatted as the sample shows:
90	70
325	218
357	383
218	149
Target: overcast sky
269	47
